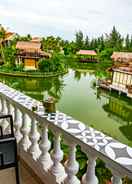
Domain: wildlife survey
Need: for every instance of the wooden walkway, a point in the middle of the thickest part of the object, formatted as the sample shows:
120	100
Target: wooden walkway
7	176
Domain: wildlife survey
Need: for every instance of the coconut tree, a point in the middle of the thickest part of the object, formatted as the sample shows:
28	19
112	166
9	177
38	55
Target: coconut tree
2	38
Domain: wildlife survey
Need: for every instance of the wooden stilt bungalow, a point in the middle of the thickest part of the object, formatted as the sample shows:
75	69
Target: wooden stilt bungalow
122	80
87	56
29	53
121	74
122	58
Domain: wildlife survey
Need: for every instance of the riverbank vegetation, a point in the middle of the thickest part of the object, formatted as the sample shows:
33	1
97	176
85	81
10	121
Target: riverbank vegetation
64	52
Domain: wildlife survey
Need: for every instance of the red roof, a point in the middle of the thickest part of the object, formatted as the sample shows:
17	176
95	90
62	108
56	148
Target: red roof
87	52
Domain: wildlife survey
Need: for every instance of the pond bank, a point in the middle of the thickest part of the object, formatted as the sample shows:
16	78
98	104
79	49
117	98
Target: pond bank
33	74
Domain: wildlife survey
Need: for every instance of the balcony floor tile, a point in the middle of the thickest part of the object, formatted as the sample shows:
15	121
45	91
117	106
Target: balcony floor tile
7	176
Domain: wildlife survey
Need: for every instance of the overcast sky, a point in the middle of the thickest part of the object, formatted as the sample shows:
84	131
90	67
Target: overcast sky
64	17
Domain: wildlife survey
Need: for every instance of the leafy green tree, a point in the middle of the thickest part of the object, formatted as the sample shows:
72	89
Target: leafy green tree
127	42
114	40
54	64
94	44
79	40
52	44
101	43
10	55
106	53
23	38
87	43
2	38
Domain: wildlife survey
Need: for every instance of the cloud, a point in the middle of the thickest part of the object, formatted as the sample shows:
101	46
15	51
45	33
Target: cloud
59	17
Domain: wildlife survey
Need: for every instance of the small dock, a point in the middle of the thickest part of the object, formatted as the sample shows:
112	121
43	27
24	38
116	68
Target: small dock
121	81
105	84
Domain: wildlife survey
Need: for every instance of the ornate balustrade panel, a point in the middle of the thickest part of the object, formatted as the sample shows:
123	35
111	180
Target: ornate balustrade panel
35	145
71	165
34	136
45	145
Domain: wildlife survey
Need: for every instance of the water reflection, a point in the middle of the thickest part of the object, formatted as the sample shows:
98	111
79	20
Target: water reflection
78	74
36	87
120	110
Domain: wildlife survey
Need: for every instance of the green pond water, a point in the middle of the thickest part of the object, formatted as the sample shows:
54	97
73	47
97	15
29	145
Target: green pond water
77	96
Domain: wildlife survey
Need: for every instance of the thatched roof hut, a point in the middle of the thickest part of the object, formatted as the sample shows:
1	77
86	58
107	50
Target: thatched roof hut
28	45
31	47
9	36
36	39
124	57
29	53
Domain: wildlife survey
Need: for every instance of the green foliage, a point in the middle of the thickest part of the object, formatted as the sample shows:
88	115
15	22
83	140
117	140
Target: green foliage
54	64
10	55
52	44
23	38
79	40
87	43
102	172
69	48
19	67
106	54
2	32
128	43
114	40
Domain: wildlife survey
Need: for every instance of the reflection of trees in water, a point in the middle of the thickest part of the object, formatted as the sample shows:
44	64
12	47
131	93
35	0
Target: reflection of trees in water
56	88
80	73
127	131
119	109
35	87
77	75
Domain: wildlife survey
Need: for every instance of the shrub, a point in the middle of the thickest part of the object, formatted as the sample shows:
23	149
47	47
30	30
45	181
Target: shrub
54	64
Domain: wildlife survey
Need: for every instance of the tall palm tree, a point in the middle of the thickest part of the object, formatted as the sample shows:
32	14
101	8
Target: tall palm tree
2	38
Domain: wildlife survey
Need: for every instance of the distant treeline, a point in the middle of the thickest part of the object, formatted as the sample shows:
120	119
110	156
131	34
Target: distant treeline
104	45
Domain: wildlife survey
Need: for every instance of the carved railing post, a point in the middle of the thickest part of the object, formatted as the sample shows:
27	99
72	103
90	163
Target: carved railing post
17	123
25	142
3	122
34	137
72	166
116	174
8	105
57	156
90	177
2	105
116	178
45	145
9	110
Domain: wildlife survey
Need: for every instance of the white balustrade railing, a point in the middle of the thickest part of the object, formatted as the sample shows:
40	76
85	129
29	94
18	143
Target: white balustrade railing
45	158
31	131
